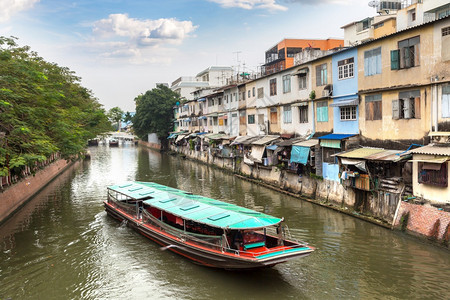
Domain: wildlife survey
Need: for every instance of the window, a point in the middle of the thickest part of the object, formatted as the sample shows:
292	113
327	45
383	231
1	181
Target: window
286	83
302	81
381	24
219	101
446	101
445	31
373	107
287	114
412	15
321	75
322	111
433	174
328	156
273	115
407	54
260	93
303	114
248	94
242	114
345	68
215	121
273	86
251	119
253	92
372	62
407	106
348	113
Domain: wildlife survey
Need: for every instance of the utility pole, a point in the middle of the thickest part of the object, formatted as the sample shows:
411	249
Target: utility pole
238	62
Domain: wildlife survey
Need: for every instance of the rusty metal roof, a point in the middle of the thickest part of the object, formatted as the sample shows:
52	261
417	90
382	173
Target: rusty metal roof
308	143
373	154
266	140
360	153
432	149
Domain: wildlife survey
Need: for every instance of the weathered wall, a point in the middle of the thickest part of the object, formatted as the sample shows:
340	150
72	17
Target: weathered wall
155	146
378	207
424	220
16	195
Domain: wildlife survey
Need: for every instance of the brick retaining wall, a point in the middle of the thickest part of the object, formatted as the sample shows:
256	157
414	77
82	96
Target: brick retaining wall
423	221
16	195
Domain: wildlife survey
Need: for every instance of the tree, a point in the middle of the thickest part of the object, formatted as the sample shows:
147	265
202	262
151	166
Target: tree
115	115
154	113
127	117
43	109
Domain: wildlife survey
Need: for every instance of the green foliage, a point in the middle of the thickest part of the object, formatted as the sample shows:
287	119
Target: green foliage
154	112
312	95
115	116
43	109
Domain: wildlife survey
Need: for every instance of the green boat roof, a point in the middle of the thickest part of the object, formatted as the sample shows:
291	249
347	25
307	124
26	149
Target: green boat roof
194	207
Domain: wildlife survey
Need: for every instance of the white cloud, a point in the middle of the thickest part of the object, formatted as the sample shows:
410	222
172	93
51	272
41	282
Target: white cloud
10	7
143	32
251	4
120	37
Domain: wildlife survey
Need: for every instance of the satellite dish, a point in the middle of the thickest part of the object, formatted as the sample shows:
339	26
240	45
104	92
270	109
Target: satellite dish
374	3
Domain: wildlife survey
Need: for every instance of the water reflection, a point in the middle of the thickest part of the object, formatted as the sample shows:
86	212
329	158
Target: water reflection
62	245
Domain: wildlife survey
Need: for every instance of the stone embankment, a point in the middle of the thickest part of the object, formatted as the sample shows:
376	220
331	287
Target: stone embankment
417	219
15	196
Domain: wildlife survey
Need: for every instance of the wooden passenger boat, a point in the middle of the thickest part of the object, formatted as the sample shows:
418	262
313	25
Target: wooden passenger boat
207	231
113	143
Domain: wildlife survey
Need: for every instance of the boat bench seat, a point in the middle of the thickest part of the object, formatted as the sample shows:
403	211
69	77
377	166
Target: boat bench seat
254	245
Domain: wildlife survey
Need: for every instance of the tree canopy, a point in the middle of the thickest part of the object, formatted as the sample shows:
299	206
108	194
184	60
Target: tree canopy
43	109
115	115
154	112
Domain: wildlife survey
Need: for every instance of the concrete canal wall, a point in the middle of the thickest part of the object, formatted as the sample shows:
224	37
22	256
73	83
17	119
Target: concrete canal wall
381	208
15	196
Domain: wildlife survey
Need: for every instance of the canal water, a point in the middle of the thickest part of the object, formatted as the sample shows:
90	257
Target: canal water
62	245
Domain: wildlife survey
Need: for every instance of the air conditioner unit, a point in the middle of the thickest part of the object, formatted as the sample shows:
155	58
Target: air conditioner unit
326	93
262	127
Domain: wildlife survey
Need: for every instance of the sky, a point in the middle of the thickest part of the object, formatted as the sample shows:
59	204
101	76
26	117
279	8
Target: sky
123	48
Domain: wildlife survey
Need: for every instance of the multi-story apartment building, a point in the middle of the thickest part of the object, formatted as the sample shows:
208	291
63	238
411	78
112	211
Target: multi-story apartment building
281	56
402	84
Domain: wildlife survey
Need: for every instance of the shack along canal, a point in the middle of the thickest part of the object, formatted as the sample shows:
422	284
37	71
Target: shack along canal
62	245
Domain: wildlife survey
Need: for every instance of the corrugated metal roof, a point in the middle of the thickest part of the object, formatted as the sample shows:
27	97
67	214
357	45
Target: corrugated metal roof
387	155
289	142
308	143
242	138
335	136
266	140
196	208
432	149
360	153
251	140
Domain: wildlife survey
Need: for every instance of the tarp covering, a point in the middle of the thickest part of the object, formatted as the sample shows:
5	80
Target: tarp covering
193	207
257	153
180	137
359	163
272	147
300	154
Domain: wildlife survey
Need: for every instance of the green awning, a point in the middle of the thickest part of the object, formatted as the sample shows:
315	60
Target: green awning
196	208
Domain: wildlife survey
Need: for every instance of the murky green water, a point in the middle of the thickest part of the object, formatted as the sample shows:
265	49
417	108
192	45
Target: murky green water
62	245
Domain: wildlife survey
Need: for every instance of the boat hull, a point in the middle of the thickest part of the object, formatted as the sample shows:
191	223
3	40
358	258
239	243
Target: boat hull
198	254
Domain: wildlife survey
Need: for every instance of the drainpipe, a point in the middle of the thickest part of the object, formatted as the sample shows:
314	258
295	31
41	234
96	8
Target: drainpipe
436	105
